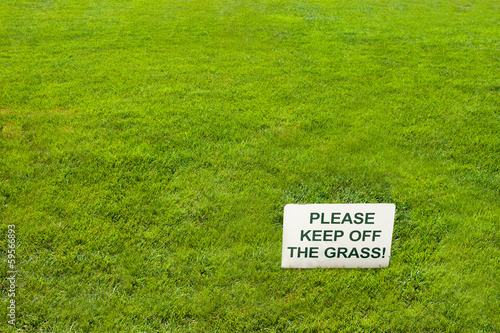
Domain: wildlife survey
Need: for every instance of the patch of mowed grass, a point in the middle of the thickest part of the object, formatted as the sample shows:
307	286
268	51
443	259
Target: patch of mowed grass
148	149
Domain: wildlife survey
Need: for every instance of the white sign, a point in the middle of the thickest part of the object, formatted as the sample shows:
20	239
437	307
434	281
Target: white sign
337	235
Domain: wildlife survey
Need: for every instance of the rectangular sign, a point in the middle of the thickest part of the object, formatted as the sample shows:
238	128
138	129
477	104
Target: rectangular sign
337	235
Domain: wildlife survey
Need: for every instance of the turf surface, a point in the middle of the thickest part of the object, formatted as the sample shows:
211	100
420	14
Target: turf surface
148	148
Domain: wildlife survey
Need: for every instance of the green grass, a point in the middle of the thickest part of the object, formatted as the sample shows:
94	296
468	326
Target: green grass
148	148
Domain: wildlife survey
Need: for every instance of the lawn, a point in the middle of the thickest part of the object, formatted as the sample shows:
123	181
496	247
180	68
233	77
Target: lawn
148	148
